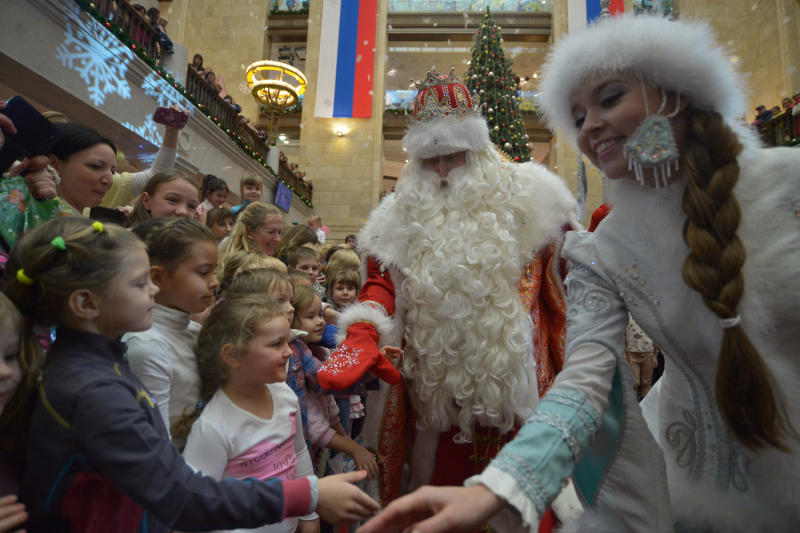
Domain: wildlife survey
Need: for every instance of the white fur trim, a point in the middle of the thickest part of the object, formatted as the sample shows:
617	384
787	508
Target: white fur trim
364	312
445	136
544	202
674	55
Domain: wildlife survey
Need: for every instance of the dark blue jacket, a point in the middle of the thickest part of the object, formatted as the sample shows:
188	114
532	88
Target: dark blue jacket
99	458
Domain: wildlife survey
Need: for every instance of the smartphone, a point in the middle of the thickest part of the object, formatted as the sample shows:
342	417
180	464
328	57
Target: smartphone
170	117
35	134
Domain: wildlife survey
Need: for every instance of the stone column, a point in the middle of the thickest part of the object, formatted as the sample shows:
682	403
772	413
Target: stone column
346	170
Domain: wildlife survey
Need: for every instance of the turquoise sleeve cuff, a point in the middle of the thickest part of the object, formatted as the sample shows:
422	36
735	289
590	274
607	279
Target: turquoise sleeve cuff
543	455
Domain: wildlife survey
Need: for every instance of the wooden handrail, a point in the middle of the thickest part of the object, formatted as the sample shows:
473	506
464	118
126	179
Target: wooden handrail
780	129
211	102
132	23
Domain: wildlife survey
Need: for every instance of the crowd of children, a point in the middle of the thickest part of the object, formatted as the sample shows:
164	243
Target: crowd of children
148	370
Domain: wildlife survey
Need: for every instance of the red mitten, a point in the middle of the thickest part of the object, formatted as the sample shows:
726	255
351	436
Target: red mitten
355	356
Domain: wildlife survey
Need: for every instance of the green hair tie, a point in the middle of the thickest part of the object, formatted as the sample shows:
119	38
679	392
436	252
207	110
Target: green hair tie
59	243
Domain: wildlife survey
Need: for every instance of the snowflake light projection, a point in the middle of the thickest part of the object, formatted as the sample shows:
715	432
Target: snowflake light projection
148	131
98	56
165	95
162	92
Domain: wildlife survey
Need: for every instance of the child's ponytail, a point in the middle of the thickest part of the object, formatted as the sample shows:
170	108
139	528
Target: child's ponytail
233	321
61	256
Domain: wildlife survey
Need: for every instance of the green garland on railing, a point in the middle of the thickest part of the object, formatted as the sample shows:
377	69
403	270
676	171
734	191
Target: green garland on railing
126	39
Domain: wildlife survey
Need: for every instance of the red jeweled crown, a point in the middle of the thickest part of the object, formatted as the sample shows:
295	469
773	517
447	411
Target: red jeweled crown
439	96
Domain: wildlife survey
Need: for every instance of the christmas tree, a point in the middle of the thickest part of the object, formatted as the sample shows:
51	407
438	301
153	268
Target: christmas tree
490	76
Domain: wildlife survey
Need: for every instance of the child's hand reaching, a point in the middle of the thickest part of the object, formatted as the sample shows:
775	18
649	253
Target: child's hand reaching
12	514
391	352
308	526
366	460
341	502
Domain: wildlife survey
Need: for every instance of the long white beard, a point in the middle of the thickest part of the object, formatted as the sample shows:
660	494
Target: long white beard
469	350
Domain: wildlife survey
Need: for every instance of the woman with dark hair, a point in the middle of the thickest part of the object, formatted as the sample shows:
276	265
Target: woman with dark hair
197	64
84	162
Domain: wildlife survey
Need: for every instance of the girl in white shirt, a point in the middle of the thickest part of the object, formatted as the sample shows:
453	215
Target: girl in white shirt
183	256
249	426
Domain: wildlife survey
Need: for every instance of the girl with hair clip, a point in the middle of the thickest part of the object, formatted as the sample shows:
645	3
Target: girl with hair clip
258	228
183	256
20	360
702	249
249	426
168	194
214	192
302	370
101	458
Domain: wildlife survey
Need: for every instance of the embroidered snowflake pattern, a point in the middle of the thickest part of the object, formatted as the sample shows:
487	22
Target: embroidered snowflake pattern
98	56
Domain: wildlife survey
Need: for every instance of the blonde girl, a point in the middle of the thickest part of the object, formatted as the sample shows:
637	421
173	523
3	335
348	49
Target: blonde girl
258	229
20	360
293	238
249	426
102	453
241	261
168	194
250	190
183	256
325	428
343	259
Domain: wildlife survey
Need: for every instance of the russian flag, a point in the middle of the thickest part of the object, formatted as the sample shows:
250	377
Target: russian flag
582	12
346	59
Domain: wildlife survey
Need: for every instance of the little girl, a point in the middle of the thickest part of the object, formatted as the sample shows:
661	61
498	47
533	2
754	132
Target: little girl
249	425
214	192
183	255
325	433
101	453
20	358
250	190
303	367
220	221
168	194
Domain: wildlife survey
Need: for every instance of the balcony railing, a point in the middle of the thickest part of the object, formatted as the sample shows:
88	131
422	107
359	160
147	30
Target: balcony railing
781	130
208	99
132	23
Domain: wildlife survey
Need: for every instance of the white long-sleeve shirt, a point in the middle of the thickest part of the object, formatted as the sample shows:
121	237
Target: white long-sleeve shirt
163	358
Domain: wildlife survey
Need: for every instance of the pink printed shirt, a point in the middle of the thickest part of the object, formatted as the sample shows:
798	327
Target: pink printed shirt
230	442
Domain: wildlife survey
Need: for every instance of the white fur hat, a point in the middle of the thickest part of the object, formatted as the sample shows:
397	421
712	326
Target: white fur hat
446	119
677	56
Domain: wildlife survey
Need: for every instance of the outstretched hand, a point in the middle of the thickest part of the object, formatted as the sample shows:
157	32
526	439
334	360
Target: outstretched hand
12	514
341	502
437	510
391	352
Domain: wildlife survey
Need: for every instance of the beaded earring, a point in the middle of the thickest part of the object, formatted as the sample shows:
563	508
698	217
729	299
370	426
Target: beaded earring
653	144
